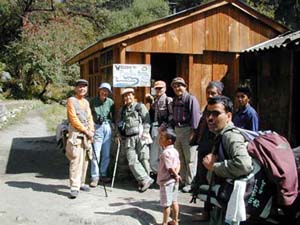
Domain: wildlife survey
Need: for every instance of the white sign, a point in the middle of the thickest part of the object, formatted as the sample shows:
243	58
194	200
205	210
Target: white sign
131	75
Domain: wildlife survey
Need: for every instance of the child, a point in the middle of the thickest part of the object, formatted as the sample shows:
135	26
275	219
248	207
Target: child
167	177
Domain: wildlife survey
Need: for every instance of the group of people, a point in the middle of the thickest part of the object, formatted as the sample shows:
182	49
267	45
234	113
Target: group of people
173	140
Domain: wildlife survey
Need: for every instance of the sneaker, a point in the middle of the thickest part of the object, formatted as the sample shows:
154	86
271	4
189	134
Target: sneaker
94	183
85	188
74	194
187	189
147	184
105	179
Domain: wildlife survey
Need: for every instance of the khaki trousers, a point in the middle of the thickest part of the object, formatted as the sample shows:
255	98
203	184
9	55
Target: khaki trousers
78	164
138	158
187	154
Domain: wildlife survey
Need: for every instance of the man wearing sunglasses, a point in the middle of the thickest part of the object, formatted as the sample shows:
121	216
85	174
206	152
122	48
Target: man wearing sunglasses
234	160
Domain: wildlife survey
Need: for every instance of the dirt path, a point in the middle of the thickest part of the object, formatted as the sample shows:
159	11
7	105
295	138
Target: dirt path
34	186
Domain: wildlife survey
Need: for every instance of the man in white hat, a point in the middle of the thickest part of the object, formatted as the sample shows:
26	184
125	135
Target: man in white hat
102	108
134	126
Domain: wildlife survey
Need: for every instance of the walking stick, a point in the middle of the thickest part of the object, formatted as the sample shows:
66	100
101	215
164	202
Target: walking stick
115	167
99	169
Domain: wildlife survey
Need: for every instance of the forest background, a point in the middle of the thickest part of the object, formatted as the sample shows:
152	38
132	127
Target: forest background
38	36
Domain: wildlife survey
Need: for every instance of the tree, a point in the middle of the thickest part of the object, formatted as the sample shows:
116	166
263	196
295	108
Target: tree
37	60
10	23
140	12
288	11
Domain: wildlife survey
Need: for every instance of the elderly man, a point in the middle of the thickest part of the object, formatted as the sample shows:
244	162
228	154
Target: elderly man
234	161
81	132
134	125
186	117
103	110
163	113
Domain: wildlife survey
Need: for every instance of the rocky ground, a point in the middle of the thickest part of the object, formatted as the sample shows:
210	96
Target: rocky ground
34	186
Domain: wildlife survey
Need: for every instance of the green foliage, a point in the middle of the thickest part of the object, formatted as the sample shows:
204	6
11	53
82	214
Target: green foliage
266	7
288	12
140	12
38	58
10	23
2	66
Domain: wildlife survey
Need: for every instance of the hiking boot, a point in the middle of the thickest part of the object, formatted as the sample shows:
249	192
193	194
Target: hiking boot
147	184
94	183
105	179
74	194
85	188
187	189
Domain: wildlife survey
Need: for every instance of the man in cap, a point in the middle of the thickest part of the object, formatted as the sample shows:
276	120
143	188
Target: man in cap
134	126
102	108
186	116
163	114
81	132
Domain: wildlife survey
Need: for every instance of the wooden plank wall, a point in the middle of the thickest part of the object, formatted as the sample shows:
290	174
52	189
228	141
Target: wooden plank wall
221	29
212	66
137	58
274	86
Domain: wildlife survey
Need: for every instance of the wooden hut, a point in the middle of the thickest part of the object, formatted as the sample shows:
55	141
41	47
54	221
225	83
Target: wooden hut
200	44
272	69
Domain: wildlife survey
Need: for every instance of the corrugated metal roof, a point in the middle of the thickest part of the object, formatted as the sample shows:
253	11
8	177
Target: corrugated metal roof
281	41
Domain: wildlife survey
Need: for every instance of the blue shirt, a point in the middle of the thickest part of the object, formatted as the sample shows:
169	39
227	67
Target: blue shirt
246	118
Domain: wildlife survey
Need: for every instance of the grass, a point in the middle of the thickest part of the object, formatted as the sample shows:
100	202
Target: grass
54	114
17	109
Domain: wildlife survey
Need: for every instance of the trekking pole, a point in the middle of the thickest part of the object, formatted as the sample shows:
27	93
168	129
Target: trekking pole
115	167
99	169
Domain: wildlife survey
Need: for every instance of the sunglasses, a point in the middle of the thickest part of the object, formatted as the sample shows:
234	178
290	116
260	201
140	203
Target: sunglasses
213	113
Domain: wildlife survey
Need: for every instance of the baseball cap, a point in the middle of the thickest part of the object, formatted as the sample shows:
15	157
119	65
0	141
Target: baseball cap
81	82
159	84
178	80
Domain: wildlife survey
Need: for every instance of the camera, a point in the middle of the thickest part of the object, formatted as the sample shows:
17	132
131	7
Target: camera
100	120
121	128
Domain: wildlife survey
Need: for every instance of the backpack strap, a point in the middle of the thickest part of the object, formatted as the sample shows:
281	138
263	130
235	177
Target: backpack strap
138	108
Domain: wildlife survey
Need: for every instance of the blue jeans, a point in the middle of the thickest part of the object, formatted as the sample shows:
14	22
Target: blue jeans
102	143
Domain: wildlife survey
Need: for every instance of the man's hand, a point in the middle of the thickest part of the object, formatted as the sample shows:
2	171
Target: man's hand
113	126
208	161
117	139
178	178
89	134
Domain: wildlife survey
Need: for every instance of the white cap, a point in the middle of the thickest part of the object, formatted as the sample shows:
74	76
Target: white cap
127	90
105	85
